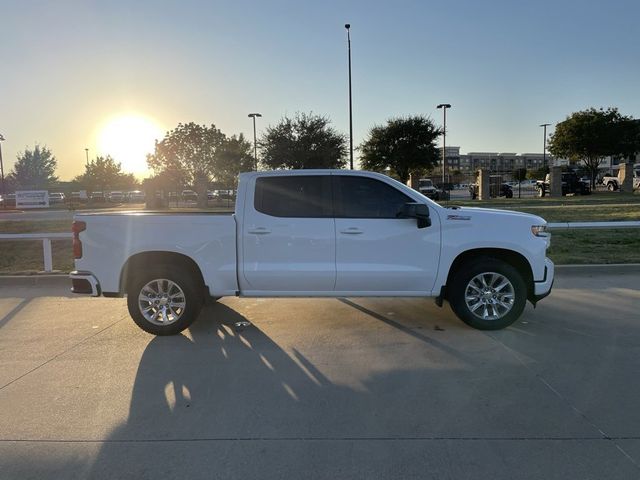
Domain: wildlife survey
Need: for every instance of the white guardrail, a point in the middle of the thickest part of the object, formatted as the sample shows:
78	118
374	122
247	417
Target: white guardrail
46	243
592	225
47	237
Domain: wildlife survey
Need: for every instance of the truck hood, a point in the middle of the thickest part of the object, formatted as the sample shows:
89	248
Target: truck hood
491	215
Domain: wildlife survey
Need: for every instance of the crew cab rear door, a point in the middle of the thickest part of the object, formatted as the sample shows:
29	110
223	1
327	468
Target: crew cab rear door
288	235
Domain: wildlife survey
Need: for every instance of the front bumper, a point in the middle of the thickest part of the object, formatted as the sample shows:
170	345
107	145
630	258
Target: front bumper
542	288
84	283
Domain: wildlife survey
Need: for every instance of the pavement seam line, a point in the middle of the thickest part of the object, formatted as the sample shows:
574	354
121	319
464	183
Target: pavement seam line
323	439
62	353
541	379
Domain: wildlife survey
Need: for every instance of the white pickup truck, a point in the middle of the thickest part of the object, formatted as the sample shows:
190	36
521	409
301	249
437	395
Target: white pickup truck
315	233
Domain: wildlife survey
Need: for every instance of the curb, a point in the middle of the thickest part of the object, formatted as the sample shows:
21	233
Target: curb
34	280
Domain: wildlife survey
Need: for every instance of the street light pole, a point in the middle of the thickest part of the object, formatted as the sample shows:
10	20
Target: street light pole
86	151
348	26
444	107
255	142
544	145
4	203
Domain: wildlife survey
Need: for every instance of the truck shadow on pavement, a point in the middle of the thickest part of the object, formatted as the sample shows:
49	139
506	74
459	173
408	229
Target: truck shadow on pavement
226	402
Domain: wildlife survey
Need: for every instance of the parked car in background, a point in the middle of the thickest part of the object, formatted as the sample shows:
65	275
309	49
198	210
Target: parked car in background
571	185
136	196
76	198
225	194
497	188
613	183
96	197
56	198
528	183
116	197
9	200
427	188
189	195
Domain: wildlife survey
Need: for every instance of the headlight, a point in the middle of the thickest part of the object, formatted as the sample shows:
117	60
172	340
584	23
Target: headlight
539	230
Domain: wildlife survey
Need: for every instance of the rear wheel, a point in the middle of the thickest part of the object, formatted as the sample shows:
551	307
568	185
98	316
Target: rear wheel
488	295
611	187
164	300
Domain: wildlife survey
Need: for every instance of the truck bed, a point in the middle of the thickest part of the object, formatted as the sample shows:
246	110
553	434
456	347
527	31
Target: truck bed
112	238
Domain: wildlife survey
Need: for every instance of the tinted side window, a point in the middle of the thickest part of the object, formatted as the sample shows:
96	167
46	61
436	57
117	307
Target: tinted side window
294	196
359	197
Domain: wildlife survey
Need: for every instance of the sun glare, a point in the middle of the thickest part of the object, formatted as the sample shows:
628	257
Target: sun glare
128	139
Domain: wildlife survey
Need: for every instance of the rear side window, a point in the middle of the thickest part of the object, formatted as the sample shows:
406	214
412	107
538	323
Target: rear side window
302	196
361	197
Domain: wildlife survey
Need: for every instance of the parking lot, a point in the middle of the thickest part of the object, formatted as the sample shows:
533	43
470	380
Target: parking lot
329	388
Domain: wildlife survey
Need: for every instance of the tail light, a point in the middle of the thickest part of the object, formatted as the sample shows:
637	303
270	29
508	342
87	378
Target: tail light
76	228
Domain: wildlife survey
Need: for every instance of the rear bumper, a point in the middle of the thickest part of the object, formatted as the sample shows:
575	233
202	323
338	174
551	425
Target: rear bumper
85	283
543	287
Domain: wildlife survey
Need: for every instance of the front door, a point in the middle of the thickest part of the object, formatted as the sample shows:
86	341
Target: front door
375	250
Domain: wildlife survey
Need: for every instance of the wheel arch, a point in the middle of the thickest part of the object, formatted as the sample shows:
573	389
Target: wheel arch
139	261
513	258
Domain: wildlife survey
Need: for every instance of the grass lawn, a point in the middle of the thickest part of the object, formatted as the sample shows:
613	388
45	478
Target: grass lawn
595	246
599	198
567	246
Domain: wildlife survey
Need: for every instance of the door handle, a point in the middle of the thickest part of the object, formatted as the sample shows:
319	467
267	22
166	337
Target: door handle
260	231
352	231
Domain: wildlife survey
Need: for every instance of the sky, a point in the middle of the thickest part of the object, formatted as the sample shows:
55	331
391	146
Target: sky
68	68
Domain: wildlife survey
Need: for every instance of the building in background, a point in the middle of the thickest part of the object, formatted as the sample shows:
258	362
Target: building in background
493	161
507	162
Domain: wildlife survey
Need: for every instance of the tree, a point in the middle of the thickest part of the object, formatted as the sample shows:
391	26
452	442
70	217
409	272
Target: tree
537	173
590	135
234	156
629	131
35	168
304	141
103	174
190	150
404	145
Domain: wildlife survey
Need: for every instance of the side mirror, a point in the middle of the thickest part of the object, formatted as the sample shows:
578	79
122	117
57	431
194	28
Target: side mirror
419	211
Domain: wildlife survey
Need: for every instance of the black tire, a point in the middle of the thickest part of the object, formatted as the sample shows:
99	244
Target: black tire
189	292
509	194
612	187
541	192
457	293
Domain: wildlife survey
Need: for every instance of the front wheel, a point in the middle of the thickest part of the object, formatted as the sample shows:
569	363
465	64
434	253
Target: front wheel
488	295
164	300
611	187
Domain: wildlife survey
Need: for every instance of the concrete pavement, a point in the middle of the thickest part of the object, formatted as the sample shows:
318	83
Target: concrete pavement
349	388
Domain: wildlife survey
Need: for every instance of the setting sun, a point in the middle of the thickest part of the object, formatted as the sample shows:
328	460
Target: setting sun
128	139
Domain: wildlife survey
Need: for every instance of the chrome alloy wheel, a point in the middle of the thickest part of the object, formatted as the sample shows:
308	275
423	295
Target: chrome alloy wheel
161	301
489	296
